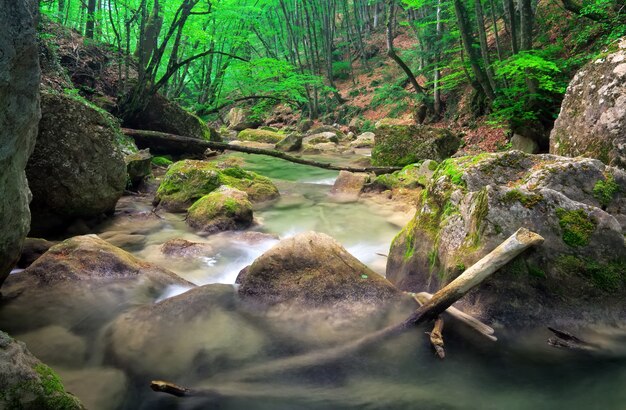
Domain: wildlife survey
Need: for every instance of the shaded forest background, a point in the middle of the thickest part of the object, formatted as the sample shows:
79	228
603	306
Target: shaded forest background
466	63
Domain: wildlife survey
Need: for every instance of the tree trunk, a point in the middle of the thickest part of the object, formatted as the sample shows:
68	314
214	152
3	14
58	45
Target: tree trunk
91	19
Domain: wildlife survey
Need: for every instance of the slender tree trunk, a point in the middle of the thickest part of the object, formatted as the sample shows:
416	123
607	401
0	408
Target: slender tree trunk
91	19
484	47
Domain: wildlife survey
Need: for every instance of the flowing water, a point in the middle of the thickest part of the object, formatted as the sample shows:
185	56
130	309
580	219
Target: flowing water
67	328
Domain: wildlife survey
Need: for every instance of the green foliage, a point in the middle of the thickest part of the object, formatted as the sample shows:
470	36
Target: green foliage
605	190
523	71
161	161
341	69
576	226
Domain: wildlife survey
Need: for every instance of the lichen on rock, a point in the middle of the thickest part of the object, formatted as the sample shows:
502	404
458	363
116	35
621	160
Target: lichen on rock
223	209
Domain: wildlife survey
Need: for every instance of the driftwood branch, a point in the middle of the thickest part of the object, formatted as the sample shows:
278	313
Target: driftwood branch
566	340
161	142
469	320
436	338
442	300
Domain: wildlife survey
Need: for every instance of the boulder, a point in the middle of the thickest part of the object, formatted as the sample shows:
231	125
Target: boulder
292	142
321	138
349	185
57	346
592	121
312	269
222	210
239	119
123	239
410	177
187	181
19	115
181	248
27	383
81	277
324	129
200	330
138	167
365	140
305	125
524	144
77	169
102	388
269	137
161	114
475	203
32	250
400	145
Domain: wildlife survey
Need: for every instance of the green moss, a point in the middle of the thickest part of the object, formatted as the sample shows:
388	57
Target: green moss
451	169
608	277
55	395
536	272
161	161
260	136
576	226
605	190
527	200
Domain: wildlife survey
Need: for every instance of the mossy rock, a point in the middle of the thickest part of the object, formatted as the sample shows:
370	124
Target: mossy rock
29	384
222	210
410	177
162	161
474	203
400	145
269	137
187	181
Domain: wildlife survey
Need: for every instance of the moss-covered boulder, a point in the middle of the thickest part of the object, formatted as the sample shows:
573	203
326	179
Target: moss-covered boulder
592	122
187	181
410	177
27	383
161	114
365	140
224	209
400	145
475	203
257	135
77	169
321	138
19	115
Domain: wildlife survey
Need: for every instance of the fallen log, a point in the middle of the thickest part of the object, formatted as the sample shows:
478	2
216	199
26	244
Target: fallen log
436	338
442	300
469	320
162	143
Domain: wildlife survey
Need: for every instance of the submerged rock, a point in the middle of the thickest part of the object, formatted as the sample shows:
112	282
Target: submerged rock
19	116
77	170
198	331
400	145
475	203
222	210
182	248
265	136
592	121
187	181
27	383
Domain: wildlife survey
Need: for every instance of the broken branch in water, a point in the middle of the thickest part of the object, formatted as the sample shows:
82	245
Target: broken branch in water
179	145
469	320
431	309
566	340
436	338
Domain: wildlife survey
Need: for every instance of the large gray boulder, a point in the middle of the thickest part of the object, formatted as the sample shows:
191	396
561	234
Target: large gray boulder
26	383
592	122
19	116
81	276
77	170
475	203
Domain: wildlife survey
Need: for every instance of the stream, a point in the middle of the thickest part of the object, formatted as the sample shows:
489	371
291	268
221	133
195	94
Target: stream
519	372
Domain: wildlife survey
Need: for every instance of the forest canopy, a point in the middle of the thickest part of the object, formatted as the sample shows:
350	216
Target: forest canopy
516	56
